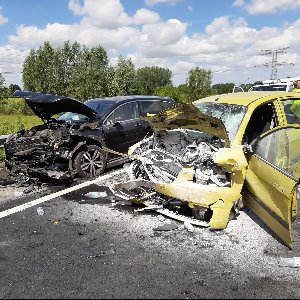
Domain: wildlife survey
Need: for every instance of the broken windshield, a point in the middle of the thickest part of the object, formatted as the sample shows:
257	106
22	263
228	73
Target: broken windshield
231	115
100	106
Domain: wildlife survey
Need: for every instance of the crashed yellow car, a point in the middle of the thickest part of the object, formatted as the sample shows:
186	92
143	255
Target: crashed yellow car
219	152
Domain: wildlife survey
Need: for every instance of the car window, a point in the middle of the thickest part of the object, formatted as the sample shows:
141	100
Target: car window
125	112
154	107
100	106
231	115
281	148
73	118
262	120
292	111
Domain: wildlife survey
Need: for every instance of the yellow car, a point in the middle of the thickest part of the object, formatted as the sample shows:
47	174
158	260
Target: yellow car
220	151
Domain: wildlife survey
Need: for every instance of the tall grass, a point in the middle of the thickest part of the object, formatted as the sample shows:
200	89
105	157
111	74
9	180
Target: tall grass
12	123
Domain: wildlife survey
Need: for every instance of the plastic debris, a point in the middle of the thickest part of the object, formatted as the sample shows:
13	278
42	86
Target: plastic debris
19	194
40	211
95	195
166	227
289	262
189	226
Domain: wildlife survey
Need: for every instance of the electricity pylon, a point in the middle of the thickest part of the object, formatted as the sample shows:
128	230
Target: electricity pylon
274	62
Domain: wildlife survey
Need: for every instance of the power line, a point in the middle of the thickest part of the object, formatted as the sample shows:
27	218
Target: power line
274	63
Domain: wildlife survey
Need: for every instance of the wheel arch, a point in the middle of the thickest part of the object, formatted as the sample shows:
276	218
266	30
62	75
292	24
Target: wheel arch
80	144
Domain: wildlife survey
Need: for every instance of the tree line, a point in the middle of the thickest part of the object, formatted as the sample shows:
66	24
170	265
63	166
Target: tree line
82	73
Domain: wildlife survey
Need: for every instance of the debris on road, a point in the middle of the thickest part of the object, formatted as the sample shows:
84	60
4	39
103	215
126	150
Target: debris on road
96	195
289	262
166	227
40	211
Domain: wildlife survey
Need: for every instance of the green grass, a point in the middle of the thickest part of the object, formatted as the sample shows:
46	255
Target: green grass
12	123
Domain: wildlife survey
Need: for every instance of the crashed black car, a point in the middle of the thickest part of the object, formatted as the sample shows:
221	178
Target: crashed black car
74	136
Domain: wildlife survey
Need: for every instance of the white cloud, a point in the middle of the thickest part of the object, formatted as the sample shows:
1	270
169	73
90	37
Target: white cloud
153	2
166	33
3	20
255	7
11	61
190	8
226	46
145	16
102	13
238	3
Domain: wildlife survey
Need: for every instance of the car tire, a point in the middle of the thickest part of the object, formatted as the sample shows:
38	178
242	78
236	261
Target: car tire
90	162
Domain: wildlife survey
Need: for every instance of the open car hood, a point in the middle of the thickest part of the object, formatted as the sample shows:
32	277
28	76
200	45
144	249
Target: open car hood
47	105
189	117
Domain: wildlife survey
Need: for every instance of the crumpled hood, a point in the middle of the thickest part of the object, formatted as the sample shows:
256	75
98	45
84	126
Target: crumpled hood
47	105
189	117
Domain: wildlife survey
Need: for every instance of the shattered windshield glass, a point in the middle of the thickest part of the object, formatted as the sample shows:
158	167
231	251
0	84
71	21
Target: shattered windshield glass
231	115
100	106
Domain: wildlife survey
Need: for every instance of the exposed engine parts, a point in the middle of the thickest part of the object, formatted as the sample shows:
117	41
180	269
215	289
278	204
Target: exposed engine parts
161	158
43	151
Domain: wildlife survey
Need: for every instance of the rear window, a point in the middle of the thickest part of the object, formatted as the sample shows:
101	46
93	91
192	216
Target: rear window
154	107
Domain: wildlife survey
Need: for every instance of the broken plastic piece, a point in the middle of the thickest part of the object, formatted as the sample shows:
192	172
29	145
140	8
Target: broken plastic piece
189	226
40	211
95	195
289	262
166	227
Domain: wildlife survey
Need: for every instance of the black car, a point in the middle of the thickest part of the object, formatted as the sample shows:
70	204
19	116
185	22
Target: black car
74	135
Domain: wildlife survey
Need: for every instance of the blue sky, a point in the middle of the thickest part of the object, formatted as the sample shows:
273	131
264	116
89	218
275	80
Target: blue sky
226	36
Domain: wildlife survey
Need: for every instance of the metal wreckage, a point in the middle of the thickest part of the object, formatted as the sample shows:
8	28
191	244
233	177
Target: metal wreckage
47	150
187	164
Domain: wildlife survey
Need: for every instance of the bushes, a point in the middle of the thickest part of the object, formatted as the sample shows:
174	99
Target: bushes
14	106
13	123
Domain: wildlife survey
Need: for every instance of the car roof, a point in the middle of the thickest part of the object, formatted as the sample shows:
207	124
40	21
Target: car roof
118	99
247	98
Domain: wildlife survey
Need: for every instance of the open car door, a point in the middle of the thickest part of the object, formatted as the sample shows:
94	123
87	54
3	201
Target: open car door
272	178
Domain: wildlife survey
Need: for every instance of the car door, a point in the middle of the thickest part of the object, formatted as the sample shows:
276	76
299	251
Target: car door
272	177
122	128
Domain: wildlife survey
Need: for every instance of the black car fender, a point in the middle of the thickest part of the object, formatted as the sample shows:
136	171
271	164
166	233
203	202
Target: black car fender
79	145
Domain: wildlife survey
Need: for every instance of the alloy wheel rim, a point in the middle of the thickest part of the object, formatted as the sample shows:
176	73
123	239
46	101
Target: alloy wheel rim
92	162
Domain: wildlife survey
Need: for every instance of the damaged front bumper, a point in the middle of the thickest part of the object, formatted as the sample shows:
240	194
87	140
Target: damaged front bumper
189	169
43	151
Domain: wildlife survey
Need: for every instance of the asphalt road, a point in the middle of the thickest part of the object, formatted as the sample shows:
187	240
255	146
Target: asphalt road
76	247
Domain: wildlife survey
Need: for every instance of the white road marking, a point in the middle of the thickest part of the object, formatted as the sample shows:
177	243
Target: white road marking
55	195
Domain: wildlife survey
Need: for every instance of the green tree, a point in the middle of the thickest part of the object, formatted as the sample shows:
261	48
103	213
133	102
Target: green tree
39	69
30	74
89	74
66	60
69	70
199	82
223	88
122	78
151	78
12	88
3	90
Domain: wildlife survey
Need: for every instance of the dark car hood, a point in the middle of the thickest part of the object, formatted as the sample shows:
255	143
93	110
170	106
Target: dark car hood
189	117
47	105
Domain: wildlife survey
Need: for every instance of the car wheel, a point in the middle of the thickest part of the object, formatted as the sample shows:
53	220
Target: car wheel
90	162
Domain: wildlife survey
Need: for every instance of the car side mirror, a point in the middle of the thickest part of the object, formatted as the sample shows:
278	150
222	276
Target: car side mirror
249	149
